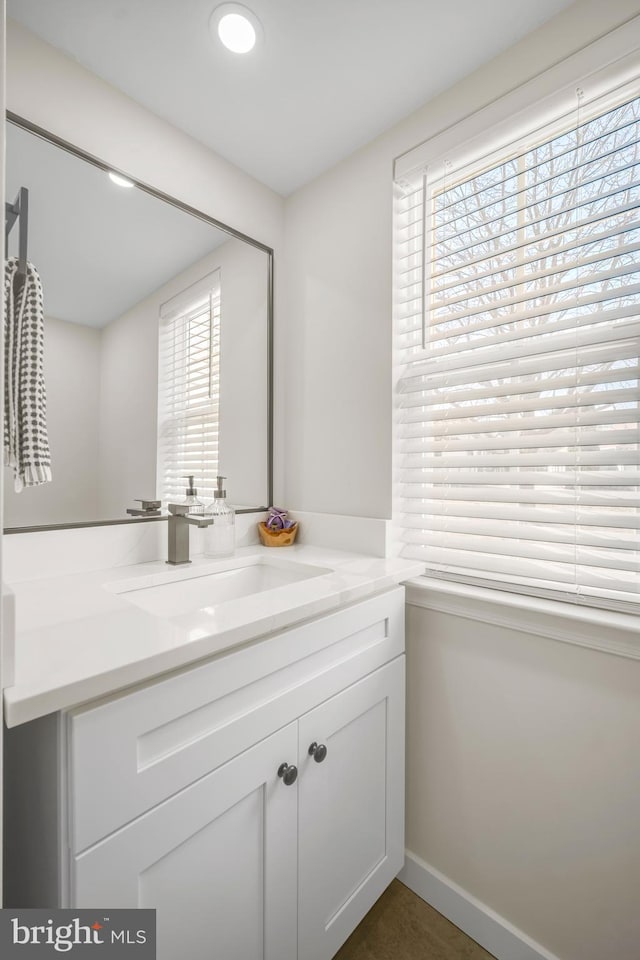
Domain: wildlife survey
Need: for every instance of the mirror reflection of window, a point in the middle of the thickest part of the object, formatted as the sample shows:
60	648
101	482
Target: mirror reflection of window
189	390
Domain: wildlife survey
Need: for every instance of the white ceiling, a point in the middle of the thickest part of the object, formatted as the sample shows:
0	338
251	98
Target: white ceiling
329	76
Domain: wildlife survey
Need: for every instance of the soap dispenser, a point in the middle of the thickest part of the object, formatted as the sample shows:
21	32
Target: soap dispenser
220	540
191	497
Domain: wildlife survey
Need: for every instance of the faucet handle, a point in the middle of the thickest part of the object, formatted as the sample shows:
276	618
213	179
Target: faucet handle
149	504
147	508
178	509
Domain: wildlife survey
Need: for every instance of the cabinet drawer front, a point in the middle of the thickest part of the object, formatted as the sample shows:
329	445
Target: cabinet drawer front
217	862
133	751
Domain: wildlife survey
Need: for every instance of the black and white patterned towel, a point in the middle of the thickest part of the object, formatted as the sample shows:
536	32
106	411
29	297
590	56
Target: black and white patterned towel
26	444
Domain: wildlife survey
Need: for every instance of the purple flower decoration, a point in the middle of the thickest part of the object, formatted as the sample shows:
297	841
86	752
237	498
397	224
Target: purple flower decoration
277	519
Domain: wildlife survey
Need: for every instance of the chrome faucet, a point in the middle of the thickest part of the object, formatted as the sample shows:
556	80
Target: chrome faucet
178	523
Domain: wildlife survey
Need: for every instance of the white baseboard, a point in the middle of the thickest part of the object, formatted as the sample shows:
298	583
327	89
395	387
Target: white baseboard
478	921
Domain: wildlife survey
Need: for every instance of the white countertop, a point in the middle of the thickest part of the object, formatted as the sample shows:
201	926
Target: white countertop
77	638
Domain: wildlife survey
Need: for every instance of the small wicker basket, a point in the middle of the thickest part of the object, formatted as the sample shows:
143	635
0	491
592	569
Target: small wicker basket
277	538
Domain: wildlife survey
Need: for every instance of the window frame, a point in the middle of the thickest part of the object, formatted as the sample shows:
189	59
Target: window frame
501	125
181	406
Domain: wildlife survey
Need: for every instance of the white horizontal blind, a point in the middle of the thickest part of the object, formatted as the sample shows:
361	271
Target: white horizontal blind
189	393
518	387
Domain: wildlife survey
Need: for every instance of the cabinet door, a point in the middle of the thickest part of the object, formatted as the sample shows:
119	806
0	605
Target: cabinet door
217	861
351	808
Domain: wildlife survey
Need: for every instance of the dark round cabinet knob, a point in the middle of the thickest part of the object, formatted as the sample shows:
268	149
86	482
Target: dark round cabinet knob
288	773
318	751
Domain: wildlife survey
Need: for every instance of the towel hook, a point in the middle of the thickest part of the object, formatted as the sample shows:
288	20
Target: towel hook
19	210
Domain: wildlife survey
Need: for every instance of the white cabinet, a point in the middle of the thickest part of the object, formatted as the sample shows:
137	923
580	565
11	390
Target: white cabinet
172	796
217	861
351	808
237	855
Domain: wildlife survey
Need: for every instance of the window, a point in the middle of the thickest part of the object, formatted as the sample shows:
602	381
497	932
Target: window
517	345
189	390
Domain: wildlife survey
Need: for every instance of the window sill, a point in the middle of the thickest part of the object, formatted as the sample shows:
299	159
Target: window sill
610	632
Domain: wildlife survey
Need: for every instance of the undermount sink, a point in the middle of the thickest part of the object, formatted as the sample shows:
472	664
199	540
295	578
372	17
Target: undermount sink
181	594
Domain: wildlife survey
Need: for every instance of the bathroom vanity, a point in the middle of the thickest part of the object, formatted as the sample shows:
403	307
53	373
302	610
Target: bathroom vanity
224	743
254	797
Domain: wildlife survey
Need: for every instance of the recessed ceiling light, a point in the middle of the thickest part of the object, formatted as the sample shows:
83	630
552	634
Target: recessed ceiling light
120	180
237	28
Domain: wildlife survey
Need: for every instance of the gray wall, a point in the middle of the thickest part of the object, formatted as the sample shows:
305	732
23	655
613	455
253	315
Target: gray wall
72	376
523	780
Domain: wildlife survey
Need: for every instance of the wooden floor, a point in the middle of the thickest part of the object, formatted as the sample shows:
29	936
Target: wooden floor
401	926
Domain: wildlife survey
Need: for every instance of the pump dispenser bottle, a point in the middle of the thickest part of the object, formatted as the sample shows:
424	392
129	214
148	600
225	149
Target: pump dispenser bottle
191	498
220	539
